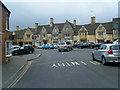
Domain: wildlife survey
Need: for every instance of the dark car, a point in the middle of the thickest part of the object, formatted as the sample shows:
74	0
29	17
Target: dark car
27	49
76	44
86	45
98	44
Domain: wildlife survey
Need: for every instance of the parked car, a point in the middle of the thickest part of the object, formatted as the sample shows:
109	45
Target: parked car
76	44
15	47
107	53
84	45
55	45
98	44
65	46
51	46
40	47
47	46
26	49
116	42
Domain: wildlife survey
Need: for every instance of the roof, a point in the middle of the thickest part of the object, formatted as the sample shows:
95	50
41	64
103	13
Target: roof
5	7
90	27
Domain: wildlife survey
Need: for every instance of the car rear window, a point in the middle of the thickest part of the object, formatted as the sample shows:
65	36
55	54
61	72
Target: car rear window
115	47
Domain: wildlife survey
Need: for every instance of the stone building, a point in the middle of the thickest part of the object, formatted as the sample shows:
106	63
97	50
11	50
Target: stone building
58	32
4	33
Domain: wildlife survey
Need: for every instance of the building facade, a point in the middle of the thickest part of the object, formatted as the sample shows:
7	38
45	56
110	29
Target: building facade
58	32
5	42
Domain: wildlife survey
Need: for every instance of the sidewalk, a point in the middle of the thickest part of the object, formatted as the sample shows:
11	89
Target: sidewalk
13	68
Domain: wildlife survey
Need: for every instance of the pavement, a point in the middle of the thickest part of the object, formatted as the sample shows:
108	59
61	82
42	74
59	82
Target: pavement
14	67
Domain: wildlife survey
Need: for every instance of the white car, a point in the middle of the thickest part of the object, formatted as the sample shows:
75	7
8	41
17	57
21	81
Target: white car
116	42
65	46
107	53
15	47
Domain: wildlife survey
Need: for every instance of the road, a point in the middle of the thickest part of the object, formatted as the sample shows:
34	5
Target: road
73	69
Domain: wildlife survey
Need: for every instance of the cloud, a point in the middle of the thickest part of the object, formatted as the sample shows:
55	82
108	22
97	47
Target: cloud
25	14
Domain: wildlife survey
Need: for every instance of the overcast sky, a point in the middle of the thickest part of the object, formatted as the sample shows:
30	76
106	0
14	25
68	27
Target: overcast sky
26	14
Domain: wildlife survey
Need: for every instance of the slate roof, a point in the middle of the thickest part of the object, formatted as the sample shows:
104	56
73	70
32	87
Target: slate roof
90	27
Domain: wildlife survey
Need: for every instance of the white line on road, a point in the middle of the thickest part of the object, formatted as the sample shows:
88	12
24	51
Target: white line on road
59	64
83	62
96	62
92	62
68	64
75	63
63	64
54	65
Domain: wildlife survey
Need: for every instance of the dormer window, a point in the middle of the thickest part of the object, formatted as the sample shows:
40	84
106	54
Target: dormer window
43	35
66	28
116	32
28	35
67	35
100	33
100	27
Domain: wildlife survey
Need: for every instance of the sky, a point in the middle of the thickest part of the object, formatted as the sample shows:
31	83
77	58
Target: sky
25	13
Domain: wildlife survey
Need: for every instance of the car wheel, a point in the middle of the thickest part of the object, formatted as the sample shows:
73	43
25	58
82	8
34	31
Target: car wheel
104	61
93	57
15	53
30	52
59	50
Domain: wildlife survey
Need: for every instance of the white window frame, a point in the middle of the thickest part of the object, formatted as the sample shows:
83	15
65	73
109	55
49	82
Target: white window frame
8	48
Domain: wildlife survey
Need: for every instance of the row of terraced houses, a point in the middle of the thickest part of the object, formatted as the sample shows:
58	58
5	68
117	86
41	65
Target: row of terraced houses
58	32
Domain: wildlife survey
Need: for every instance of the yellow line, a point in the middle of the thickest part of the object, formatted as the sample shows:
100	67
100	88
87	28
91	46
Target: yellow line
21	75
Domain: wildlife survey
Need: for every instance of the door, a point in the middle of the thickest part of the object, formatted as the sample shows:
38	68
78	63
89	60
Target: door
100	51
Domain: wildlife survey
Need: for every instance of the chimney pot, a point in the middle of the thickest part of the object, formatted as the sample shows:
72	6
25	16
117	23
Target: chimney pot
93	20
51	22
36	25
17	28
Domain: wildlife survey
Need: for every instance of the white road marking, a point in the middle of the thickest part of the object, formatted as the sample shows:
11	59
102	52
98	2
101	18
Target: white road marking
63	64
96	62
54	65
92	62
68	64
75	63
59	64
83	62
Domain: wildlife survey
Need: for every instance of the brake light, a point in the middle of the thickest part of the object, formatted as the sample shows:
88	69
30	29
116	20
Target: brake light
65	46
110	52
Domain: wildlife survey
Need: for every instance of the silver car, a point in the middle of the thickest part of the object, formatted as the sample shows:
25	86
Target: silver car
107	53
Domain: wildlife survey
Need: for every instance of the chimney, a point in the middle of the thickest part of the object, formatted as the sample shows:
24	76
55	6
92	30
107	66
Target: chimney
74	23
17	28
51	22
93	20
36	25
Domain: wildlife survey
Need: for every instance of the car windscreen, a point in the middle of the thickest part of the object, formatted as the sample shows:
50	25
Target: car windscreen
62	44
115	47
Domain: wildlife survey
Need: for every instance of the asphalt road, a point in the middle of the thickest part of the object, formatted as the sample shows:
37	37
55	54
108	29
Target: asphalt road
73	69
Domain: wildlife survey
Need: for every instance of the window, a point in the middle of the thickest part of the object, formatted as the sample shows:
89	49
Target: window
55	36
100	33
43	35
103	47
66	28
115	47
100	27
116	32
83	33
67	35
28	35
8	48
